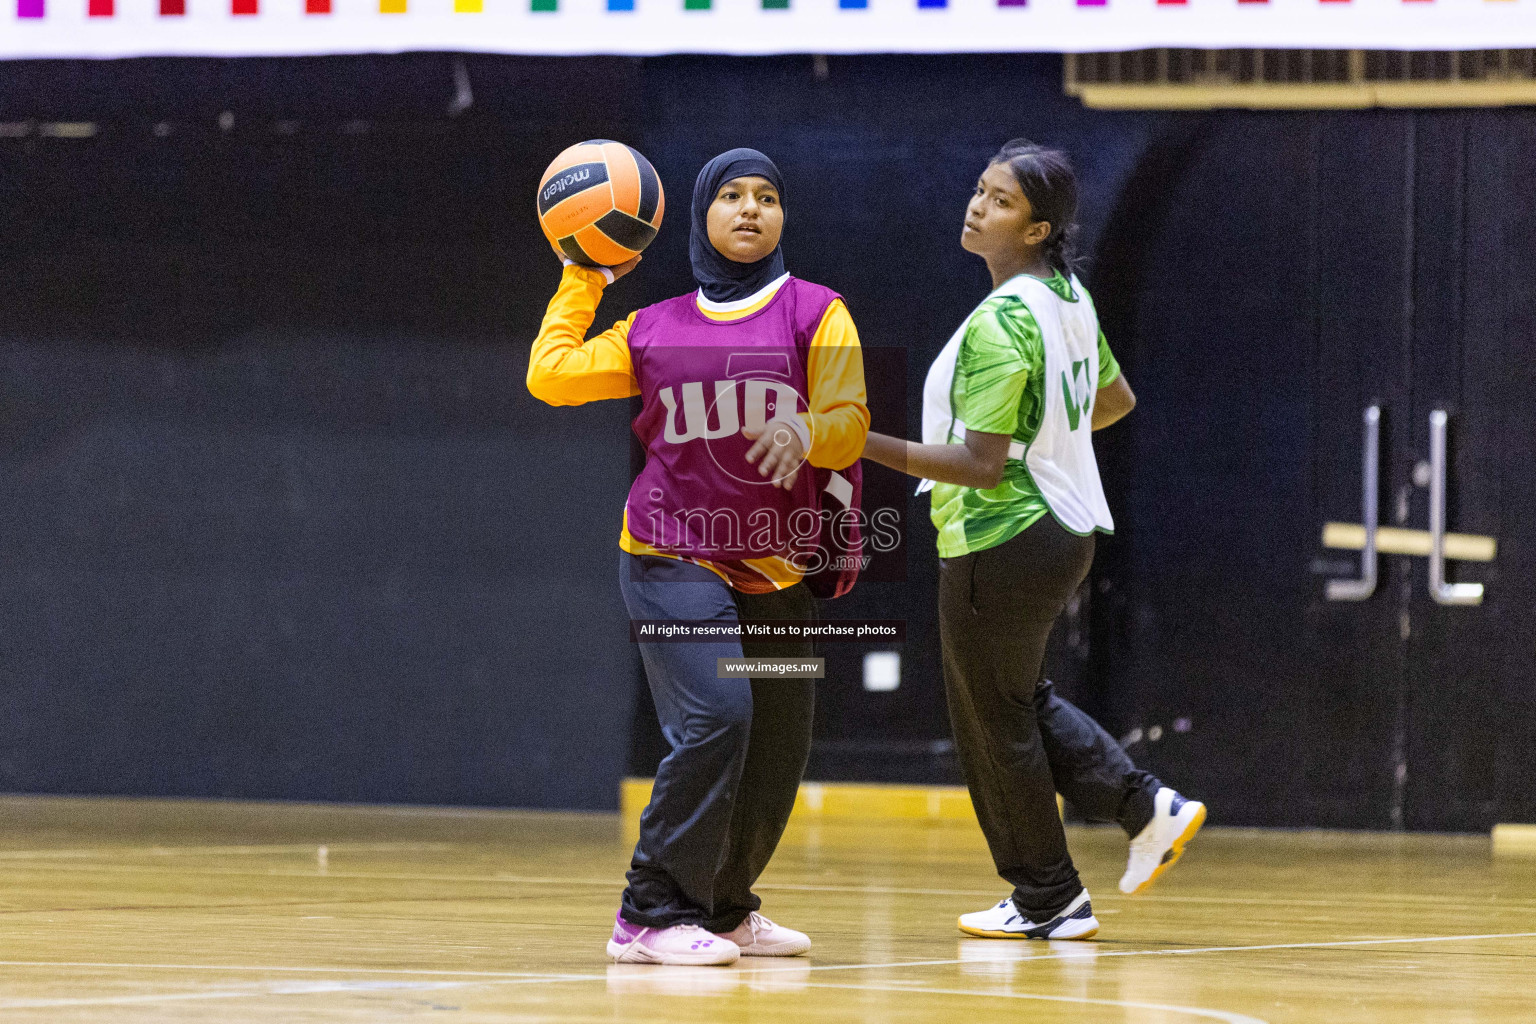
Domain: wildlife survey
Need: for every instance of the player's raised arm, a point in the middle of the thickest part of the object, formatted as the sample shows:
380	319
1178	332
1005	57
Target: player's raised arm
564	366
599	203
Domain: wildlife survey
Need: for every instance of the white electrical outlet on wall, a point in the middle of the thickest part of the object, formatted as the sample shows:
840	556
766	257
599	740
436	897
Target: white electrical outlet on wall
882	671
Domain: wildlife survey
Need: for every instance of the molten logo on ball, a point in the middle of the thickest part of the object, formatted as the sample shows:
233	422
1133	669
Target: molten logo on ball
556	187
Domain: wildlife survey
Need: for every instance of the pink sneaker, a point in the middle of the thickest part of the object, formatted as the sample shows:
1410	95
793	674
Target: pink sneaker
681	944
758	936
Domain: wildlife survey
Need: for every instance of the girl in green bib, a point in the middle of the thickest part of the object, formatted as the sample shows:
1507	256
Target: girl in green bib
1009	408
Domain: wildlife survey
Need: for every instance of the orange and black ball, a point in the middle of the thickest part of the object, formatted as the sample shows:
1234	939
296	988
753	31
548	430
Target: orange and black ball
600	203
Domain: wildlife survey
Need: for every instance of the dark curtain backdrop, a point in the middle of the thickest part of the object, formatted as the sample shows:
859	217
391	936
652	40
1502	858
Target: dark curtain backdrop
279	519
277	515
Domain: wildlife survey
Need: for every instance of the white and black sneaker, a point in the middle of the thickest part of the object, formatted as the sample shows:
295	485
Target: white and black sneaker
1159	846
1005	922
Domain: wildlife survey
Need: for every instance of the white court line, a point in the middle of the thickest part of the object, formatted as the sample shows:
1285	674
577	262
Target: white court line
1189	1011
325	988
308	988
535	976
1187	951
1342	943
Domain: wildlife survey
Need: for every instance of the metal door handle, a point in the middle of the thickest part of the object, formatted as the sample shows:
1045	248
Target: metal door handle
1365	586
1441	591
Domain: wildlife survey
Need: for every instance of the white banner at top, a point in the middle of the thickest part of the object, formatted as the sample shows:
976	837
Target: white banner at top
132	28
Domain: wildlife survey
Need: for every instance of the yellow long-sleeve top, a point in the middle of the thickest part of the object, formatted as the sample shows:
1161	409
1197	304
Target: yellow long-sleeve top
567	368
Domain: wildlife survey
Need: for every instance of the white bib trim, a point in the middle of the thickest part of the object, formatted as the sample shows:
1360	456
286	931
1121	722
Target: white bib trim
1060	459
737	305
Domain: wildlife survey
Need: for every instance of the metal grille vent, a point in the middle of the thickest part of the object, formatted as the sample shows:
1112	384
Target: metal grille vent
1301	79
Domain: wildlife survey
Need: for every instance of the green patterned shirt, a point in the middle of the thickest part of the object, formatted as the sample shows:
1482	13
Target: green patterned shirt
999	389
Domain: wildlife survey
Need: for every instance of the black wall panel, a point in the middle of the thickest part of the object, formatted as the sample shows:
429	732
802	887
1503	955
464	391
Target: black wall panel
278	518
1289	271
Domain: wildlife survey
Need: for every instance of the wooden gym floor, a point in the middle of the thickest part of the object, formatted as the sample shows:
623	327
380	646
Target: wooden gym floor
134	911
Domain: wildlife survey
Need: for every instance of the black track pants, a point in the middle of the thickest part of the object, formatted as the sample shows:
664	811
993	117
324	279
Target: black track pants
1019	743
723	795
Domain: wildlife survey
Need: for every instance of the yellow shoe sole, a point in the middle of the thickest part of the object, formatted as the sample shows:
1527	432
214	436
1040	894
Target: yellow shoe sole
983	933
1176	851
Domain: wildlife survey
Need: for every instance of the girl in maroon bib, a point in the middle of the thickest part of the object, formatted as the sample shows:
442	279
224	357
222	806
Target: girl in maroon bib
753	418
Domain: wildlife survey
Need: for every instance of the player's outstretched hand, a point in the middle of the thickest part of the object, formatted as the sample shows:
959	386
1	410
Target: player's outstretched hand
776	452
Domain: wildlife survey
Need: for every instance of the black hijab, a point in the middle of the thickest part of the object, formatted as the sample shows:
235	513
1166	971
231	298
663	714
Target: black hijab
722	279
